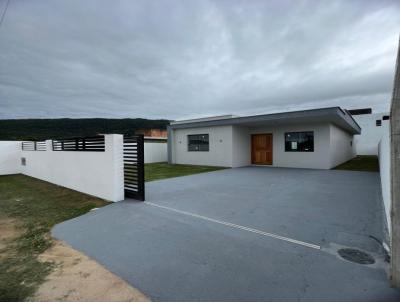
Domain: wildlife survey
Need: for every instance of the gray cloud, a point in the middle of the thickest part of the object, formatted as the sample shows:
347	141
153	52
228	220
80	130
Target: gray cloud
172	59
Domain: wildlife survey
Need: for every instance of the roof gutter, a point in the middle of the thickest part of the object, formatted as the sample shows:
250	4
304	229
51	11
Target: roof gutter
314	113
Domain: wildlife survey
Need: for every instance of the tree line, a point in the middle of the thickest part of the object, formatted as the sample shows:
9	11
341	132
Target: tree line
41	129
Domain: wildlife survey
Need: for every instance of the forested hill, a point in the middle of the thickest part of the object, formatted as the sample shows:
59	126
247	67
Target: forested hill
40	129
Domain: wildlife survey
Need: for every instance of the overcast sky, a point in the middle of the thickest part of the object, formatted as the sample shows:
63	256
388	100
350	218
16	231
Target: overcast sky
178	59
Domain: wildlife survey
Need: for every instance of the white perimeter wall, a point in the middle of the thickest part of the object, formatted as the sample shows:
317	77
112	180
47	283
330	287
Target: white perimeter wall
155	152
96	173
341	146
384	167
367	142
220	153
10	157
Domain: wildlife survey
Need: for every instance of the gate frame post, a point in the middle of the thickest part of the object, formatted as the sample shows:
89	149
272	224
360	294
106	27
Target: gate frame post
141	166
114	145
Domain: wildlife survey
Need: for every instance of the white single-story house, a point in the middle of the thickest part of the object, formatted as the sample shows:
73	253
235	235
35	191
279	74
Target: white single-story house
317	139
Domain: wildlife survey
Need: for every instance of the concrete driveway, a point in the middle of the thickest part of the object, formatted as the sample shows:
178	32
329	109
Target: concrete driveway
246	234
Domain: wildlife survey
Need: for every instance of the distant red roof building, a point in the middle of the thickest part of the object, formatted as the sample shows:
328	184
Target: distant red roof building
152	132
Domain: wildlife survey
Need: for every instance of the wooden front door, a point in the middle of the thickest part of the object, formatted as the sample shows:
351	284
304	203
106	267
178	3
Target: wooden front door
261	149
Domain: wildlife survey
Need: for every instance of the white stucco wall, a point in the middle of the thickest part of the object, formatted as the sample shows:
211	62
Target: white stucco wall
384	167
155	152
319	159
341	146
220	148
367	142
241	147
10	157
96	173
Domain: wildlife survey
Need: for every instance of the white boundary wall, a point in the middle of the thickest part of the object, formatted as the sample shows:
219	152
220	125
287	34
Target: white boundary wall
100	174
10	157
155	151
385	172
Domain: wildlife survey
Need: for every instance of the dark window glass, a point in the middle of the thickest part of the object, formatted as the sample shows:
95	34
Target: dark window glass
378	123
198	142
385	117
360	111
299	141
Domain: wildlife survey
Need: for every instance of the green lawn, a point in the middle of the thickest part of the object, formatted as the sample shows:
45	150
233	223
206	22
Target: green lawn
361	163
35	206
157	171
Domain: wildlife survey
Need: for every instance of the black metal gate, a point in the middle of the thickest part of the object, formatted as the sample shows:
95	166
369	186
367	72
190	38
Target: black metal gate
134	166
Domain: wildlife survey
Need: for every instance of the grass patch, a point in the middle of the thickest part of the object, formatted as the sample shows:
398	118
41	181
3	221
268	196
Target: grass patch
361	163
36	206
155	171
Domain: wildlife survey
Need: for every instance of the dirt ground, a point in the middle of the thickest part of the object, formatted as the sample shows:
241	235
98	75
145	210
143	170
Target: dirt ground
8	231
79	278
76	277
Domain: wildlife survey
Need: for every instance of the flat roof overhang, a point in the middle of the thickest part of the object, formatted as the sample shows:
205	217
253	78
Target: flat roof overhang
334	115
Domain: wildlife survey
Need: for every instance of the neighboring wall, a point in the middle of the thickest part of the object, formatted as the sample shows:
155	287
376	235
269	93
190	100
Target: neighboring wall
220	151
10	157
367	142
341	146
96	173
384	167
155	150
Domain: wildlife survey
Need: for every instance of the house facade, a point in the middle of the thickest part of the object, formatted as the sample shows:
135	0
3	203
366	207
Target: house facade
374	127
317	139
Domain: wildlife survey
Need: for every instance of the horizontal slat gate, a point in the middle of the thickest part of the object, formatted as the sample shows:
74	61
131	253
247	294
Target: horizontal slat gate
94	144
34	146
134	166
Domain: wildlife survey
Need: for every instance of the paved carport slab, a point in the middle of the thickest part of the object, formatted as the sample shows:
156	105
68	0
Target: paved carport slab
317	206
170	256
